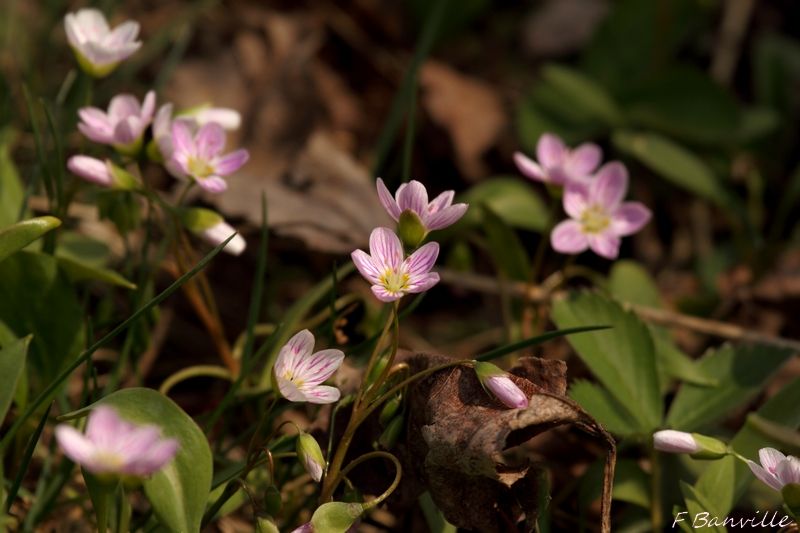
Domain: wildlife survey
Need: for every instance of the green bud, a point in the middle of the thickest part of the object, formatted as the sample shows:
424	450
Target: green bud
392	433
710	448
389	410
123	179
411	229
130	149
153	152
310	455
198	219
377	370
272	500
265	525
486	370
791	497
336	517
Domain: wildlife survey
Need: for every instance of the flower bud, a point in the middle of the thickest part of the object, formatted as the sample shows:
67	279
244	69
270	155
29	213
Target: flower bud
496	382
310	456
389	410
212	228
411	229
265	525
103	173
698	446
336	517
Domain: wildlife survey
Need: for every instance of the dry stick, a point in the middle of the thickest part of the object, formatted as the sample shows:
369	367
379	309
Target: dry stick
157	339
662	317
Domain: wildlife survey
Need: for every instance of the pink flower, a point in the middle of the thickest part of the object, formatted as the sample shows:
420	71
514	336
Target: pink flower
103	173
558	164
198	156
299	373
412	196
113	446
672	441
229	119
776	469
599	218
391	276
97	48
497	383
123	125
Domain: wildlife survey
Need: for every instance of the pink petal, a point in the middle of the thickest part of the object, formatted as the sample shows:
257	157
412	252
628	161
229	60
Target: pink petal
95	119
575	200
316	368
103	135
123	105
365	266
91	24
770	458
387	200
446	217
764	476
154	458
90	169
605	244
550	150
294	351
629	218
442	201
568	238
230	163
530	168
74	444
421	261
422	282
507	391
383	295
414	197
609	187
385	249
148	107
210	140
127	131
322	394
583	161
122	34
74	36
289	390
182	141
788	470
673	441
105	427
213	184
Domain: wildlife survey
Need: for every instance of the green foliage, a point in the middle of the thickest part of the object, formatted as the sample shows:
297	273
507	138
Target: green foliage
12	365
178	492
743	369
599	403
505	247
11	191
623	357
17	236
511	199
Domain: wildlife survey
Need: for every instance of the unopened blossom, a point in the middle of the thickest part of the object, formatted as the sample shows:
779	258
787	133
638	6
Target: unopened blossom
413	196
98	48
497	383
112	446
300	373
776	469
557	164
199	156
672	441
123	125
99	172
598	216
310	456
391	276
212	228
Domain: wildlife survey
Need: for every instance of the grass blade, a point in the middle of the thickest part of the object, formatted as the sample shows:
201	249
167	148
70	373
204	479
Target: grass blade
533	341
26	460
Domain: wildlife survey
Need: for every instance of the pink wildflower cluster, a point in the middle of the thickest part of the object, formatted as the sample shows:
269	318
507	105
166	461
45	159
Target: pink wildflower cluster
593	197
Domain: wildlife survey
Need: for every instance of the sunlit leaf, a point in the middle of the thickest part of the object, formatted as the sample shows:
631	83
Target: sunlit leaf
17	236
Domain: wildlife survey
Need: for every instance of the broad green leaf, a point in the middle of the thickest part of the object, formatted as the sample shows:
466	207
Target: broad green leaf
583	92
17	236
179	492
77	271
628	281
505	247
674	163
11	192
12	365
787	438
743	371
623	357
511	199
36	298
724	481
697	505
631	484
79	247
603	407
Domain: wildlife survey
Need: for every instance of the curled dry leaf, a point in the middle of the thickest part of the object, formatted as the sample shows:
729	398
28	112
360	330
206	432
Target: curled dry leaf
457	435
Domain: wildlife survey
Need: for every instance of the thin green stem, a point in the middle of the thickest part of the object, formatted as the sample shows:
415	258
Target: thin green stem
371	455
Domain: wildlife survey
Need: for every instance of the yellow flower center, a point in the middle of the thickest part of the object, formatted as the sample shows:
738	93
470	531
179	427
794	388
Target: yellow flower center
200	167
111	462
595	219
289	376
394	281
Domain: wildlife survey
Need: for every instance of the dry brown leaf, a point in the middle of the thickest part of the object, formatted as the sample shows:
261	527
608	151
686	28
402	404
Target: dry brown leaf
469	109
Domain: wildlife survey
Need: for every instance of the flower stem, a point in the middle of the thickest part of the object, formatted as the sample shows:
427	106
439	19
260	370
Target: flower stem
655	502
371	455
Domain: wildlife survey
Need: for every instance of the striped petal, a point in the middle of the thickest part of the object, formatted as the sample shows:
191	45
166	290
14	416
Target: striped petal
385	249
421	261
316	368
366	266
413	197
387	200
610	186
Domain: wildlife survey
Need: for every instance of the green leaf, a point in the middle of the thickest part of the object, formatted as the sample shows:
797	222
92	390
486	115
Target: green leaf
77	271
505	247
788	439
631	484
12	364
511	199
700	509
79	247
674	163
603	407
622	358
743	371
12	194
583	92
19	235
178	492
36	298
630	282
437	523
724	482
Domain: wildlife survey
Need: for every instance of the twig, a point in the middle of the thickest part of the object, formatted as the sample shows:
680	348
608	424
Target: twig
661	317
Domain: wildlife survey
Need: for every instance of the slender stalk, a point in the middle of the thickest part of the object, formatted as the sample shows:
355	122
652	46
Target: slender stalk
655	502
371	455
